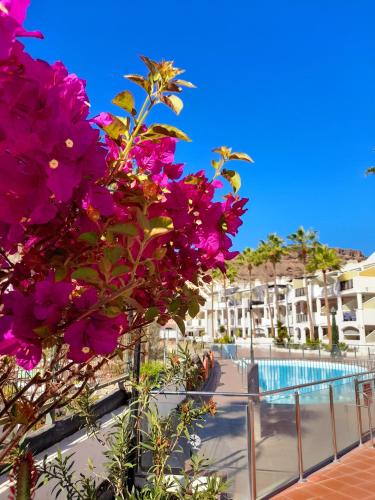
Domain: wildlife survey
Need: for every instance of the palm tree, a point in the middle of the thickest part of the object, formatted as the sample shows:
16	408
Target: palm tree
302	242
217	275
230	274
249	258
324	259
273	250
370	170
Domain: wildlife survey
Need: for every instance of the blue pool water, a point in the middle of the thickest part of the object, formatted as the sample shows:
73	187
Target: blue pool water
276	374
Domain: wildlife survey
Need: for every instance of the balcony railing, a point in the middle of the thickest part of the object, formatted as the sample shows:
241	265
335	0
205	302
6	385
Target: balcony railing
300	292
350	316
301	318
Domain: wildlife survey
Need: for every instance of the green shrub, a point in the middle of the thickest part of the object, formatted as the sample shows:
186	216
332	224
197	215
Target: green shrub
153	371
282	335
225	340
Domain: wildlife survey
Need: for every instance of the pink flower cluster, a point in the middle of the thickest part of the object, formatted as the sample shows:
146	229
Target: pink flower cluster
50	157
57	211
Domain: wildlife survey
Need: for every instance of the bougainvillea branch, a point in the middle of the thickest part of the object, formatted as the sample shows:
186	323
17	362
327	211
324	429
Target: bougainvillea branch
100	229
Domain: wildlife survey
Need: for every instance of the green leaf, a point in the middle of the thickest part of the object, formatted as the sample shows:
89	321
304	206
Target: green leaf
180	323
215	164
167	131
159	226
151	313
165	222
233	178
241	156
126	228
60	273
112	311
119	270
185	83
193	308
90	237
125	100
113	254
87	274
174	305
173	102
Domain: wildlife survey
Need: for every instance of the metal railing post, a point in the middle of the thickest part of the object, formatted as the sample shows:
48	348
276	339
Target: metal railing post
252	450
270	351
368	404
299	437
358	409
333	423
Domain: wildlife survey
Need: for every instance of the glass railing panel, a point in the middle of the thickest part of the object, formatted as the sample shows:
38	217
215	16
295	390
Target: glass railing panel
276	443
222	441
315	426
345	413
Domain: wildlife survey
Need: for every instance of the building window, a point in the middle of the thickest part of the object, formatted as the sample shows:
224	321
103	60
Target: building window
346	285
300	292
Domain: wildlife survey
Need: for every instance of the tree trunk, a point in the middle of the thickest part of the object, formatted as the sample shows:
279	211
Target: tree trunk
251	323
275	291
212	310
270	311
327	309
226	304
309	312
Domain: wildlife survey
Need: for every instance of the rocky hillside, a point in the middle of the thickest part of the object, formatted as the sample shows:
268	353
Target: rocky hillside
292	268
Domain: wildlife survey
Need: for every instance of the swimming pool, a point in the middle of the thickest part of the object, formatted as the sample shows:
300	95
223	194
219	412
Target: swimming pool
278	373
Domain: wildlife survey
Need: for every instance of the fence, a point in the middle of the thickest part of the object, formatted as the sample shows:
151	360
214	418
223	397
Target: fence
265	441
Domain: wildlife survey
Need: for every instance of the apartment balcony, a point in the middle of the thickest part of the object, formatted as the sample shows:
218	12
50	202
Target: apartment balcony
301	318
349	316
300	292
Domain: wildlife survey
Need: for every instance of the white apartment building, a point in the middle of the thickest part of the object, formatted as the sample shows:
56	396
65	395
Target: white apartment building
351	294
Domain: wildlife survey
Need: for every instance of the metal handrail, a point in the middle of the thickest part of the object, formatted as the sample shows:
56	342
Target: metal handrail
261	394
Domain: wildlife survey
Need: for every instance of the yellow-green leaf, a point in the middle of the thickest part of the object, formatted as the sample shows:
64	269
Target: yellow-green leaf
233	178
168	131
164	222
125	100
116	128
141	81
185	83
241	156
173	102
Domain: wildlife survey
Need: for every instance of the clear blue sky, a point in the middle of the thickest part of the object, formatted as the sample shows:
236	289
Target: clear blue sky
291	82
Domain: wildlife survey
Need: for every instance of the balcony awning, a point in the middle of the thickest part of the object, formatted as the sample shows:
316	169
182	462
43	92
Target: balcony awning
370	272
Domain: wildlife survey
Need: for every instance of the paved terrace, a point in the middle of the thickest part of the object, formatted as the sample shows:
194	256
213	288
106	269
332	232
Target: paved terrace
352	477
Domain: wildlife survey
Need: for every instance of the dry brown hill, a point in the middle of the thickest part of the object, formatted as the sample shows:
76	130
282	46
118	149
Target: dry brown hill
292	268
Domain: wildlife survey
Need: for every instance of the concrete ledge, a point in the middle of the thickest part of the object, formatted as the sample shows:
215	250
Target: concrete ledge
52	434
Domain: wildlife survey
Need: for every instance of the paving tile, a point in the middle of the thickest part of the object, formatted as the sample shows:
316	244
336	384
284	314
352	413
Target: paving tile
352	478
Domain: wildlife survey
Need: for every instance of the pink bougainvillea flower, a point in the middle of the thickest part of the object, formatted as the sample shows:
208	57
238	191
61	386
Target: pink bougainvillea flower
12	16
17	335
50	298
94	335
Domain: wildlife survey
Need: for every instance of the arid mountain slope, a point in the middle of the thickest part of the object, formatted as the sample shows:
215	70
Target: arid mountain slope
291	267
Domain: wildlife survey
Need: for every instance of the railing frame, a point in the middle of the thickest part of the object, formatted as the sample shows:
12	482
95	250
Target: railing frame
250	417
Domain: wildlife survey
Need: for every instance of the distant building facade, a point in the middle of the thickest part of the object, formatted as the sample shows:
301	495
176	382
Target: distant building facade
351	294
